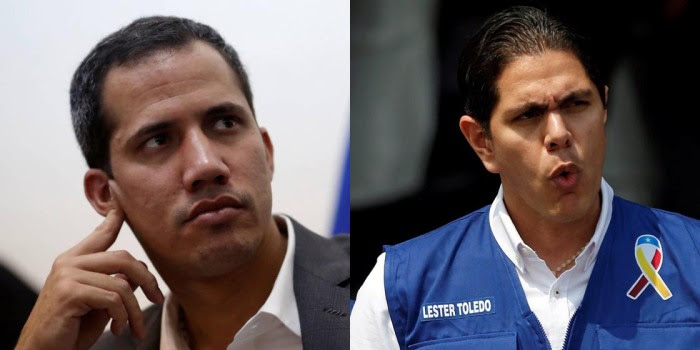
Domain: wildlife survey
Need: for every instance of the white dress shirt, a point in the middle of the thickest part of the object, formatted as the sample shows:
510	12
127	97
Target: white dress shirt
275	326
553	300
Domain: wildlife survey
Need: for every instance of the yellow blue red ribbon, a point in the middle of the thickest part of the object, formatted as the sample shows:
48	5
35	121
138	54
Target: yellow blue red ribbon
649	256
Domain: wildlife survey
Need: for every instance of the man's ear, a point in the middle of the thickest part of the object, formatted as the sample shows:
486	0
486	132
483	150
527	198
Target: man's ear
269	149
480	142
97	191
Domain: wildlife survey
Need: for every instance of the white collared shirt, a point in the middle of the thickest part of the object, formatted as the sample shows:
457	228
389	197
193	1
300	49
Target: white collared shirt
553	300
275	326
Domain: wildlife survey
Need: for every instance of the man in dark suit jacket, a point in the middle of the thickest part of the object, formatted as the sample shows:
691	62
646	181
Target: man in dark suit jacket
163	113
321	290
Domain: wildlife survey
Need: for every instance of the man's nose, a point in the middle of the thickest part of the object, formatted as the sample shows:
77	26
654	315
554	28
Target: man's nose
557	134
203	165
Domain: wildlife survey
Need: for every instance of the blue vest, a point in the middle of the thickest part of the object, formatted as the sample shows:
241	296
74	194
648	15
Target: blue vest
454	288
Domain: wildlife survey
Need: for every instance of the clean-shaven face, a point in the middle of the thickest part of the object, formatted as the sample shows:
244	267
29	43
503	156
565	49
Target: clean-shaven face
548	136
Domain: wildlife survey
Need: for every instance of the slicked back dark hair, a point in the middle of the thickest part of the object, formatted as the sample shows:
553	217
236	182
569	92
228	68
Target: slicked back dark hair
137	40
505	36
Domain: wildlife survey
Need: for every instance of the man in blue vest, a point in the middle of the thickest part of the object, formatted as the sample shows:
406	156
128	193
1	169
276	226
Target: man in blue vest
556	261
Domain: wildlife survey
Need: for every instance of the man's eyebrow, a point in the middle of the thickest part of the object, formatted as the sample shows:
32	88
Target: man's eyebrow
528	106
575	95
150	129
571	96
223	108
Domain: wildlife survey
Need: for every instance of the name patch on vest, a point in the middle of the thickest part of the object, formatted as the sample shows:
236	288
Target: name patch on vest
441	311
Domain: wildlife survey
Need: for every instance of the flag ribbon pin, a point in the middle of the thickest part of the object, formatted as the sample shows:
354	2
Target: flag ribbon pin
649	256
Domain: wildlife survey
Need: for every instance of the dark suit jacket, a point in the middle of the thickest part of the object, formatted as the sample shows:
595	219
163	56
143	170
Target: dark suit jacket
321	287
16	302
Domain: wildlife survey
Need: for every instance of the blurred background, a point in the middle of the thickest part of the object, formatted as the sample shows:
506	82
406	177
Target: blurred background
297	55
413	171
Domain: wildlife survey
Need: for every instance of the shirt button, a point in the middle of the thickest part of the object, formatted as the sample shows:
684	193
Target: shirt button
556	292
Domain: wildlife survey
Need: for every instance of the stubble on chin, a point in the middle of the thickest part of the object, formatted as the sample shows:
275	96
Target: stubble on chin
225	254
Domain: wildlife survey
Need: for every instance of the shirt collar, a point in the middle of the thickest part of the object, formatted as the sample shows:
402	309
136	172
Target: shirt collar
281	303
519	253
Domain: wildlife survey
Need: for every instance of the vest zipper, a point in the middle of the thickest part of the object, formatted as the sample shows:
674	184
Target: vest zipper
549	346
568	328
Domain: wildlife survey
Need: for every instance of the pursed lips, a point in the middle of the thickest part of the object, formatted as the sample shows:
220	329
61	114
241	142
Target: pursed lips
565	177
565	169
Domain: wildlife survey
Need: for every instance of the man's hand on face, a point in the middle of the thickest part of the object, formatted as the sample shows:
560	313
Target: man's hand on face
86	288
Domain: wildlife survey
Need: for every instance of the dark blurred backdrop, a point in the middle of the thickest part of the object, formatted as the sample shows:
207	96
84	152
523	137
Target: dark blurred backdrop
411	169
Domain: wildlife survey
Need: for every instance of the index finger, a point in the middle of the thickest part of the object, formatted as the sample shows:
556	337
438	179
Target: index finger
102	237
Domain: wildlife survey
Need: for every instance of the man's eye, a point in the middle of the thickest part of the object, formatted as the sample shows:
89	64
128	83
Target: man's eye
529	115
577	104
156	141
225	123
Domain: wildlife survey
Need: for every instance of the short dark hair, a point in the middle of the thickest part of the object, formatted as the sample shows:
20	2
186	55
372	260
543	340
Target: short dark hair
511	33
137	40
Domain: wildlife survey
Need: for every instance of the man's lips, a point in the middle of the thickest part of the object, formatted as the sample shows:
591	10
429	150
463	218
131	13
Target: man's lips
564	169
213	208
565	176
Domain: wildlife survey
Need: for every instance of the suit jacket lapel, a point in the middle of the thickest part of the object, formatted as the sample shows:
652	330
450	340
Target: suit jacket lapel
321	288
